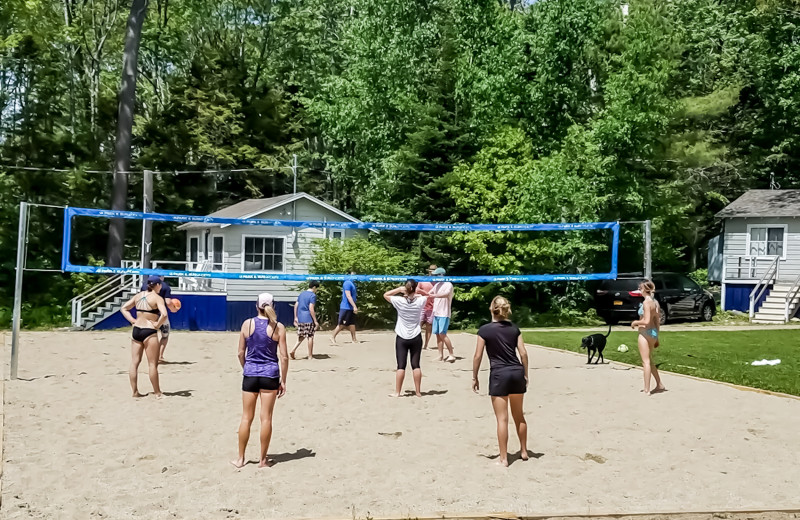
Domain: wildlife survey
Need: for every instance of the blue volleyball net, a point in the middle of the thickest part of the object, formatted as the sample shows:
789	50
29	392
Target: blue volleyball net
71	213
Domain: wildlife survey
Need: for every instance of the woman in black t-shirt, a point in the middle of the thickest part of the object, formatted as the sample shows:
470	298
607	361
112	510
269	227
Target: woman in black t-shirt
508	377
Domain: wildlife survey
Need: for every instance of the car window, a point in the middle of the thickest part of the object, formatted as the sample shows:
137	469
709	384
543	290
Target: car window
688	283
671	282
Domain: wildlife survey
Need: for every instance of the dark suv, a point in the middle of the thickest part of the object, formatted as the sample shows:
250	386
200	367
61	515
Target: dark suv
679	297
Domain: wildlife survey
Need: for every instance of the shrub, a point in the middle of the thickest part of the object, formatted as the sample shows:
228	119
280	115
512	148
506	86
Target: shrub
700	276
366	257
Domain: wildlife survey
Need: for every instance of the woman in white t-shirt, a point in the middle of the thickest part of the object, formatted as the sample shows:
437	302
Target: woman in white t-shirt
409	333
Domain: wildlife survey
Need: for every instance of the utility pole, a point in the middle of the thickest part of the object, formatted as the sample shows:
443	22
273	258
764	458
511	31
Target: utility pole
648	256
294	172
147	225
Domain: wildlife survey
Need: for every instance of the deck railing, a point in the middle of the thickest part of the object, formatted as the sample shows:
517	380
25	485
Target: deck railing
747	268
769	277
84	304
190	283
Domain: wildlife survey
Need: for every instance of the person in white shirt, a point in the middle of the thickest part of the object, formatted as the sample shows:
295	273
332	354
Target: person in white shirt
443	298
409	333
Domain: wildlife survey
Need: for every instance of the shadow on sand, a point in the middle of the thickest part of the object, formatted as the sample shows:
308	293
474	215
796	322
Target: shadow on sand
179	393
513	457
301	453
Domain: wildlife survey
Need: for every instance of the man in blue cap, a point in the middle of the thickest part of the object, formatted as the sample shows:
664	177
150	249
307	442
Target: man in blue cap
443	298
165	293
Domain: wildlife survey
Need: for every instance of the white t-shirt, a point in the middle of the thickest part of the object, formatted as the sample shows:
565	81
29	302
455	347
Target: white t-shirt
409	316
441	306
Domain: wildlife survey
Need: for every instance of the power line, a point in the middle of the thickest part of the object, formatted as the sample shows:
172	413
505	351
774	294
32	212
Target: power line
162	172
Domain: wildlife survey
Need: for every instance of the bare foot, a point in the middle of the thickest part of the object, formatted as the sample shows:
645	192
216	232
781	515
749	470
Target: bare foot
646	392
439	359
266	463
502	462
394	395
238	463
523	454
310	357
291	355
136	395
450	359
159	396
333	341
418	394
659	389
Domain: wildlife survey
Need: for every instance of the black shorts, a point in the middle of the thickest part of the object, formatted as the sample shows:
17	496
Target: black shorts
405	348
256	384
140	334
507	380
347	317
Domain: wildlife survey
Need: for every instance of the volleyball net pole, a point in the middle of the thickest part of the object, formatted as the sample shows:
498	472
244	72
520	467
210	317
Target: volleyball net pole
22	236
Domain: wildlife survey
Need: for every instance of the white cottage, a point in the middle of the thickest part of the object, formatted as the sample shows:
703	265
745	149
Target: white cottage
251	249
757	257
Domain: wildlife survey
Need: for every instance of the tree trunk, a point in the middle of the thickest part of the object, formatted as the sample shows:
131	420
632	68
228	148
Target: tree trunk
122	150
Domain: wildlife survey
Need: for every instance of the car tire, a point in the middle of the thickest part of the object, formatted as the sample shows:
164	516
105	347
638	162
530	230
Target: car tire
664	316
707	314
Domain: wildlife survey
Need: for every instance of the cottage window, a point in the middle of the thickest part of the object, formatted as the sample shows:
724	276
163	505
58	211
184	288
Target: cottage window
767	241
194	247
218	248
263	254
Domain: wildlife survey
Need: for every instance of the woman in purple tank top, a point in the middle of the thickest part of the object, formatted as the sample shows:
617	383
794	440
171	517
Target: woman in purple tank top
265	361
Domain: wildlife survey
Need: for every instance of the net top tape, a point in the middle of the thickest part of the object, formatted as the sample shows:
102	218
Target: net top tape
340	277
377	226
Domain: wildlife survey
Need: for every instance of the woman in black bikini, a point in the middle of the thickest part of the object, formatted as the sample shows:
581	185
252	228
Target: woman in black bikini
151	312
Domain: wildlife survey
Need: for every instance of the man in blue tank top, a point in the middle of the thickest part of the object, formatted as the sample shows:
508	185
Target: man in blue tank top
347	309
305	318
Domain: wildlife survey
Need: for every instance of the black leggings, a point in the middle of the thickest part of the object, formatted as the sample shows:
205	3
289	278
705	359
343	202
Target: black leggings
404	347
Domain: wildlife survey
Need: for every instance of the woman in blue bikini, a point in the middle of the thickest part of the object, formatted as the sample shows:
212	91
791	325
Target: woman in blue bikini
649	323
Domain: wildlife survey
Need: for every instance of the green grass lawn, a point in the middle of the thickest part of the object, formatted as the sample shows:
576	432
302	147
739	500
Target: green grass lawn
719	355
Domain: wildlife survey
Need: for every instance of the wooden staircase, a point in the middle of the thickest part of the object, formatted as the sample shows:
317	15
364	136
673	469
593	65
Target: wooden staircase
773	310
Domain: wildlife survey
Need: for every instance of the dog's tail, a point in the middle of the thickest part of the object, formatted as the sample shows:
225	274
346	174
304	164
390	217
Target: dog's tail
609	331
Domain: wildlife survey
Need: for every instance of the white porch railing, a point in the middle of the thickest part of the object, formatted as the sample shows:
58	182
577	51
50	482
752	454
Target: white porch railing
788	305
770	276
114	286
192	283
745	267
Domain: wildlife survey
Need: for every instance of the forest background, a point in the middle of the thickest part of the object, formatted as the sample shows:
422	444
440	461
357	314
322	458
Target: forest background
411	111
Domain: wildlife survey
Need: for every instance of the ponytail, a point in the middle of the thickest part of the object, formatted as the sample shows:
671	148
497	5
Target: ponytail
501	309
268	311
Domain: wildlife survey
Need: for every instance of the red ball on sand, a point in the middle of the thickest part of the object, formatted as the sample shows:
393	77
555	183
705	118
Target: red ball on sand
175	305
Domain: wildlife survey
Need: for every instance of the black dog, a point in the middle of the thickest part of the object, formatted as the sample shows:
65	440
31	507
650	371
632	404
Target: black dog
595	343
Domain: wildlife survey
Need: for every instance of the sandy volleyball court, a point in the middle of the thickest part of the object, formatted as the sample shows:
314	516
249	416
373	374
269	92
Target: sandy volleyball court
77	446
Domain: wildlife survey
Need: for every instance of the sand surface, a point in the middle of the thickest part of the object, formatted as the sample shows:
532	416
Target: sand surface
78	446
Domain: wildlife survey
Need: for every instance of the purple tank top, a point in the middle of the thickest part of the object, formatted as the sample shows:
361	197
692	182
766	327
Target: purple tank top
261	359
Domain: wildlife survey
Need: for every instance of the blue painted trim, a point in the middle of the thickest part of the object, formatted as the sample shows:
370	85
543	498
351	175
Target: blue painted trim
737	297
239	311
198	312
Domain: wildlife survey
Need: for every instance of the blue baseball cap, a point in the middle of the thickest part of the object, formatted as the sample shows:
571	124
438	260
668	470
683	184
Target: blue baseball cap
153	279
439	271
